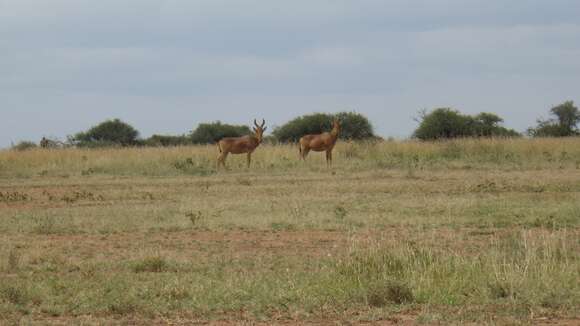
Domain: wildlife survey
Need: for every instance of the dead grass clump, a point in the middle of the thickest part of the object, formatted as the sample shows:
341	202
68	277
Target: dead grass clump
154	264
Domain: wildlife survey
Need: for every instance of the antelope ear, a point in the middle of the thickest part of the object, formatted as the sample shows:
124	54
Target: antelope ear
254	129
264	128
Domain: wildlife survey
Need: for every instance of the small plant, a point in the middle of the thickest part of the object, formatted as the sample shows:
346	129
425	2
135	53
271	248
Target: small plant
156	264
121	306
204	186
412	166
13	196
379	295
283	226
340	212
195	217
244	182
191	167
501	290
81	195
44	225
13	294
87	172
148	196
13	260
176	291
298	211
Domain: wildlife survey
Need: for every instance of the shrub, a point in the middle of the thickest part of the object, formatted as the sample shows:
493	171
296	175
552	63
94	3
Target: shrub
442	123
446	123
548	129
24	145
209	133
108	133
353	126
154	264
14	293
381	294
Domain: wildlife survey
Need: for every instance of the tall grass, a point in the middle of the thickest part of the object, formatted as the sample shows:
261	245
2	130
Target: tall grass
200	160
518	268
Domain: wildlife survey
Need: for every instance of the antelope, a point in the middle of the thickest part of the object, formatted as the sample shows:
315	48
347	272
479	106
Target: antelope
44	143
240	145
320	142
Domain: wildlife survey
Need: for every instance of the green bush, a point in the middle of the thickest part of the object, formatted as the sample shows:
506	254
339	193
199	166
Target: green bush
24	145
446	123
209	133
353	126
108	133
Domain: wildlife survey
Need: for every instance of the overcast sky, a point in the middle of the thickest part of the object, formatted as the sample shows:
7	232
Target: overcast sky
165	66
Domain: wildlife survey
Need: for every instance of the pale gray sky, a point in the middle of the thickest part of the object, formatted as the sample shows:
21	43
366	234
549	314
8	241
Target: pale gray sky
165	66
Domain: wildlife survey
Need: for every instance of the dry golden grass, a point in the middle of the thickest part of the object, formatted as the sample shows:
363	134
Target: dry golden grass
200	160
470	231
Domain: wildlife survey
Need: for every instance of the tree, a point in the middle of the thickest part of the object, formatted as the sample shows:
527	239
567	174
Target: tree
567	115
108	133
209	133
486	123
564	124
444	123
354	126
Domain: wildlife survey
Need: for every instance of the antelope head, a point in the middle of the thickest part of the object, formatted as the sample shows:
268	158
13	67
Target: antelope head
259	130
335	127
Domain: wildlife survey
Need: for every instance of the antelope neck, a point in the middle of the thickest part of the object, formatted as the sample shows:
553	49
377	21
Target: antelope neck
334	133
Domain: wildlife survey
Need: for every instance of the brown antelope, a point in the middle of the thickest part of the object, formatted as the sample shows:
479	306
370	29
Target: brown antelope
44	143
240	145
320	142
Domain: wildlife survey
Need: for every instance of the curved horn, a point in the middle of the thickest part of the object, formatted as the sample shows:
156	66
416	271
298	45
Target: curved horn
263	123
255	123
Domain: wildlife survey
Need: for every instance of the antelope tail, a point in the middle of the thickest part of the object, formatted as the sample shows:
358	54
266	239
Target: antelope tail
219	147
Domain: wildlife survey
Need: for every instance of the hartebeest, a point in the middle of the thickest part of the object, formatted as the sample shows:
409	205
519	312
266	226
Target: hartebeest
320	142
240	145
44	143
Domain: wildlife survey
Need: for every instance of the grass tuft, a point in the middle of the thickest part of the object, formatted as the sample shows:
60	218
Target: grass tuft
14	294
381	294
155	264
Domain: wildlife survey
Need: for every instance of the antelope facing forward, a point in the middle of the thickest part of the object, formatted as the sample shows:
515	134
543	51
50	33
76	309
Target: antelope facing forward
240	145
320	142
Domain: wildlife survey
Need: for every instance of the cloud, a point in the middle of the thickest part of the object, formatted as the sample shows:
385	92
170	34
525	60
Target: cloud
243	57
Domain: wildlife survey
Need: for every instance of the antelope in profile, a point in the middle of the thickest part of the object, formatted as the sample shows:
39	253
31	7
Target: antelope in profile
240	145
320	142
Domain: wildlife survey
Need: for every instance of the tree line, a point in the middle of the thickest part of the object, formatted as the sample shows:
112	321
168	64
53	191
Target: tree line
445	123
439	123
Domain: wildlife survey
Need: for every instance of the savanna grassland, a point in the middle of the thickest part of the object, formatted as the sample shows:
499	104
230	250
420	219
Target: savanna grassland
459	232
